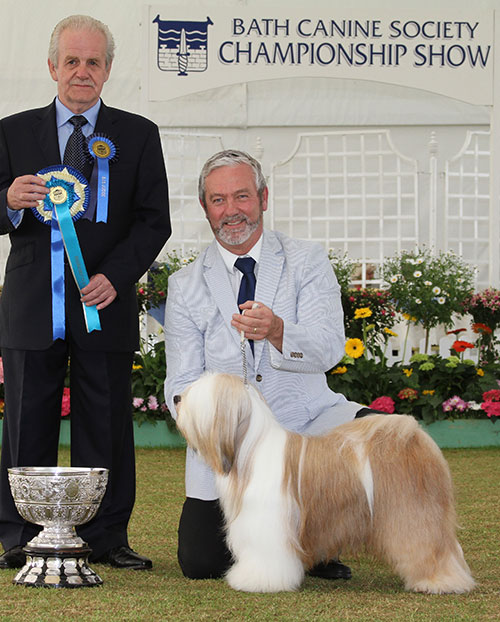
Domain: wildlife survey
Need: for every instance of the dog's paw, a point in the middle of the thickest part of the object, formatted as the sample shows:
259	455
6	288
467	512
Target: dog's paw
244	578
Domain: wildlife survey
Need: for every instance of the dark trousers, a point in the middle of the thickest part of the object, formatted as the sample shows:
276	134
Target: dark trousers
202	550
101	432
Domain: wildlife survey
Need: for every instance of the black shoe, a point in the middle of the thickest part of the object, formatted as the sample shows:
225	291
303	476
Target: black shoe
333	569
124	557
13	558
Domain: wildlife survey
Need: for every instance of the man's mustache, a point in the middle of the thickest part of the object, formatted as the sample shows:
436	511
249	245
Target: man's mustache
81	83
232	220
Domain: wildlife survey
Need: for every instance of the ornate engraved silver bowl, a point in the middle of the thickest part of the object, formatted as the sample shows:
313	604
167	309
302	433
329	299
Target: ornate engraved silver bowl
58	498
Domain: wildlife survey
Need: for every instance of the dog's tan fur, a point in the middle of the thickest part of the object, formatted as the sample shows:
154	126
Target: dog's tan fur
378	484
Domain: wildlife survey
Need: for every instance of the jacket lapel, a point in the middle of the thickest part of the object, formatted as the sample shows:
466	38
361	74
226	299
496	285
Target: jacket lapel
107	123
217	279
270	269
45	131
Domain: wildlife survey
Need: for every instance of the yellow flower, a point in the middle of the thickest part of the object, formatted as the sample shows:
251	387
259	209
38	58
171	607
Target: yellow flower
136	367
362	313
339	370
428	391
354	348
409	318
390	332
408	372
480	372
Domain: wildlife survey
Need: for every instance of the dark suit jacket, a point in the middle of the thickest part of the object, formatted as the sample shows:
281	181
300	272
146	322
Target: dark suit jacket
122	249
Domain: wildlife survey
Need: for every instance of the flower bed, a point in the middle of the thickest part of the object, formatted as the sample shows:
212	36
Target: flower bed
463	433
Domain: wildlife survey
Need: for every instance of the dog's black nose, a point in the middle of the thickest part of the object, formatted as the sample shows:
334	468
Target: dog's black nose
177	399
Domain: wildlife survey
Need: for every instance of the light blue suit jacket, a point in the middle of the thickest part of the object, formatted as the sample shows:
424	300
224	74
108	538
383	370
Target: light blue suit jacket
295	279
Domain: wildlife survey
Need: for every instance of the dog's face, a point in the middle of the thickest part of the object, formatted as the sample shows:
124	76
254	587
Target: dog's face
213	415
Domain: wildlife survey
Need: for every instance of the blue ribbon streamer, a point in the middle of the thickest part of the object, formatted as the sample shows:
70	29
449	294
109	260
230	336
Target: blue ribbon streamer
104	151
75	260
102	189
57	275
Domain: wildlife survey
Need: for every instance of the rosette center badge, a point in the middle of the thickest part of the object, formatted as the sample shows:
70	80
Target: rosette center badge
65	187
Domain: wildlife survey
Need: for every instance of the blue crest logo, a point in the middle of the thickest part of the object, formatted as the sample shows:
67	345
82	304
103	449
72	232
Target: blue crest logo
182	46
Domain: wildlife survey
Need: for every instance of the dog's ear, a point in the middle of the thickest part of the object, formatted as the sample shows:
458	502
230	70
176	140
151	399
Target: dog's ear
233	408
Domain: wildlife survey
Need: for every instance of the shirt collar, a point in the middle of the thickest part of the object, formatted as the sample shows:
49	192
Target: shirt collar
63	114
229	258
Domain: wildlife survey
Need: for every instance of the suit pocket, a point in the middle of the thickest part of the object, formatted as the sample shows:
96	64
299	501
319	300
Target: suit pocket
20	257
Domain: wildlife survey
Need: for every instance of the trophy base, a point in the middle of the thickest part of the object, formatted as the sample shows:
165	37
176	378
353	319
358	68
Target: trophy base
65	568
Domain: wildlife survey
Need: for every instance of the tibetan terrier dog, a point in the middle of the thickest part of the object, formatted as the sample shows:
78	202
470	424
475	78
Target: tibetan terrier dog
377	484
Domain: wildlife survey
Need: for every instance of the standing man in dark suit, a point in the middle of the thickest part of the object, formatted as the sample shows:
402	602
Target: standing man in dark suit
42	322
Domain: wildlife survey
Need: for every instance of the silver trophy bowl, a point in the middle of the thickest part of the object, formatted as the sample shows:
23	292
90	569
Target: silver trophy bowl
58	499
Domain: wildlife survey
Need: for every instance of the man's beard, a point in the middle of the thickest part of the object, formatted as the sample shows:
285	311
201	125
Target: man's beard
235	238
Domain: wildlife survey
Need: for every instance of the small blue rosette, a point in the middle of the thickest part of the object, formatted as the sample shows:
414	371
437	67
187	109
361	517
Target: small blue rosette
102	149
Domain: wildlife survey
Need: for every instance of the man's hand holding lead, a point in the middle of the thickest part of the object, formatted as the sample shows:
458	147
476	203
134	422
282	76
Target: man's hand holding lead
258	322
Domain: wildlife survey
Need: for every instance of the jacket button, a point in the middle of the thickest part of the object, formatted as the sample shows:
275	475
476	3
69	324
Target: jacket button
258	377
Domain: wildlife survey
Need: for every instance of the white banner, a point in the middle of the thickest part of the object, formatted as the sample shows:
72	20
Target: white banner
191	50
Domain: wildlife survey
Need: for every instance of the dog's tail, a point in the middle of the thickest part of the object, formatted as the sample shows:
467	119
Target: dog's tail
414	523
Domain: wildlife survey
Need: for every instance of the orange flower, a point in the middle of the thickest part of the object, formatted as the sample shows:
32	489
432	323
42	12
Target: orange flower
481	328
461	346
339	370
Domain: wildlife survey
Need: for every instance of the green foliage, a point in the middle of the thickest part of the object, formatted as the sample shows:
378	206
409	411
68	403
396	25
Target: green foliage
432	379
154	291
148	378
484	307
343	267
430	288
372	326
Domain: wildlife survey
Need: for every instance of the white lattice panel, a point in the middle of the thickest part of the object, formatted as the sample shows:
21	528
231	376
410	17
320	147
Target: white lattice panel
351	191
185	155
467	203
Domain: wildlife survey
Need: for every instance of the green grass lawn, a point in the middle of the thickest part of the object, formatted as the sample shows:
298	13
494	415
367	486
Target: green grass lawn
373	594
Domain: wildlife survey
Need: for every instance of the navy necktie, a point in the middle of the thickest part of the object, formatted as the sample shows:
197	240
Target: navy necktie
247	285
74	154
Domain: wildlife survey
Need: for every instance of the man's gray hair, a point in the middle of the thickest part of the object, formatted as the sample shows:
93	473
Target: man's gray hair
231	157
81	22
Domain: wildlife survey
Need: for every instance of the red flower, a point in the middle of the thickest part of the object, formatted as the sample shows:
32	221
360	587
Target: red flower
65	404
408	394
481	328
492	409
384	403
461	346
493	395
457	331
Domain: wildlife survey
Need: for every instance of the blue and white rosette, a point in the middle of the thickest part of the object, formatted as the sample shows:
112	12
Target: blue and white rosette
102	149
66	202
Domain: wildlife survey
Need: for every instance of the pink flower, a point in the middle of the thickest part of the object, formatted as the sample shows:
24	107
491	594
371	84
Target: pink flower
65	403
454	403
1	371
137	402
152	403
383	403
492	409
